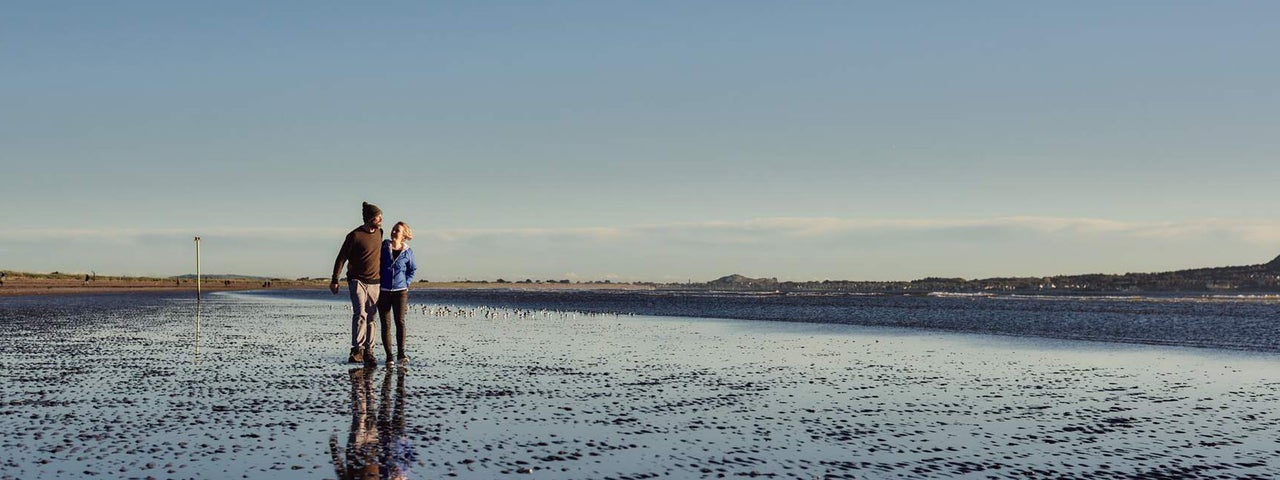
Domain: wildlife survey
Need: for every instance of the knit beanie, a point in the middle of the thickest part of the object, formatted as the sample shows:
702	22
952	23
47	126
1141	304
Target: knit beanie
369	211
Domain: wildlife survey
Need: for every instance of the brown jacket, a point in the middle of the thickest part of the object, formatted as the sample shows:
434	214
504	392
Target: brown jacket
362	249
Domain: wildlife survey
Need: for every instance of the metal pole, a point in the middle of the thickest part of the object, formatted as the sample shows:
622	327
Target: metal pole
197	269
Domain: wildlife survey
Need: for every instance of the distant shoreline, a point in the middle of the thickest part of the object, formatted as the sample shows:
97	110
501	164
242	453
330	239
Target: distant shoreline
1261	279
23	286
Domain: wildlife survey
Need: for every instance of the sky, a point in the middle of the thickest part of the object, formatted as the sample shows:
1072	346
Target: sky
642	141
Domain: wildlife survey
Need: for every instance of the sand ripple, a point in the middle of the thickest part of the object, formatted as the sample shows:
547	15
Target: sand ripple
111	387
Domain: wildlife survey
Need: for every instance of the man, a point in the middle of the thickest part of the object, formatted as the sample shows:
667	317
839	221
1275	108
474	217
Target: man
361	252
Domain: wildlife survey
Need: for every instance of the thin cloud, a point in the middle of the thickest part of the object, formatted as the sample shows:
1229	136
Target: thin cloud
793	247
746	231
463	234
134	234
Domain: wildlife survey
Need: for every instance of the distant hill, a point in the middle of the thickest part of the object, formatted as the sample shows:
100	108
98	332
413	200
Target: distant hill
1261	278
739	282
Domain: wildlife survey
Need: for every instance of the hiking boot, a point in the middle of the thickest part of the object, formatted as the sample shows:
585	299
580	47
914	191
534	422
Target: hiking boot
370	360
355	357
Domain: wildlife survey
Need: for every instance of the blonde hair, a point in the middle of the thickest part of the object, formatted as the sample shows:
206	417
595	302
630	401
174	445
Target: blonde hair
404	227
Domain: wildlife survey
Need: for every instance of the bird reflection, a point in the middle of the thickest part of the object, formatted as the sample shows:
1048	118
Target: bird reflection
377	447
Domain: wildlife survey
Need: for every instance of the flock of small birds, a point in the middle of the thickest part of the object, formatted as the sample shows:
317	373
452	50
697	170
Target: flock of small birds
494	313
112	387
446	311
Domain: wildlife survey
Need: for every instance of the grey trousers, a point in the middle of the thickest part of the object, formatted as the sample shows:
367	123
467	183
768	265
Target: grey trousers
364	304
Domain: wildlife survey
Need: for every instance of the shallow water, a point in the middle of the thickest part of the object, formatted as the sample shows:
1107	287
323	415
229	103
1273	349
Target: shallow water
1246	323
110	386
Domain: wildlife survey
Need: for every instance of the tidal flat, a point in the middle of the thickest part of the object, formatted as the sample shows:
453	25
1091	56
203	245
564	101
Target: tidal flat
122	386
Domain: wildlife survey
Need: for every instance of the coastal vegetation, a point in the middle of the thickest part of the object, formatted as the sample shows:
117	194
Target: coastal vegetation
1261	278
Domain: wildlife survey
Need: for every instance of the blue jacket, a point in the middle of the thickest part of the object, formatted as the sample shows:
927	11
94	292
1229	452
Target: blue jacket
397	273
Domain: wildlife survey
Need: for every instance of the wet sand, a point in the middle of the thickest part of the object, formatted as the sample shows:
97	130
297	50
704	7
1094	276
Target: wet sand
111	387
41	286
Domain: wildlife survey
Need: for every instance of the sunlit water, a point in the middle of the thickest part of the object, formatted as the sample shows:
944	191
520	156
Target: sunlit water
111	386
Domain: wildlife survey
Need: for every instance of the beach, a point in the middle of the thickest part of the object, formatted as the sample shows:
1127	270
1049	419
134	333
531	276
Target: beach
121	386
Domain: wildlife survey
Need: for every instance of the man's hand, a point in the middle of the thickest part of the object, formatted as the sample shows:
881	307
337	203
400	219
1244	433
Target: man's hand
333	287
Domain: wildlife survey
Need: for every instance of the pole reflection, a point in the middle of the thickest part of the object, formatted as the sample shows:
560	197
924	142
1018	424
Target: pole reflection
197	328
377	447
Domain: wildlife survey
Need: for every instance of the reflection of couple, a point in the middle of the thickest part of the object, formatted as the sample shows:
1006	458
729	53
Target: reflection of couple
378	276
377	447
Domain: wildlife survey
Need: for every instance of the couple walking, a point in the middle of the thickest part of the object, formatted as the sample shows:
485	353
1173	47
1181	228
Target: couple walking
378	276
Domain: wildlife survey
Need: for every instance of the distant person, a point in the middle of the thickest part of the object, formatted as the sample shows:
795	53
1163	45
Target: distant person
398	268
360	252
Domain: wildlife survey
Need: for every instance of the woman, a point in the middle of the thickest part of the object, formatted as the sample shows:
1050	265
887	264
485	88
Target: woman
397	272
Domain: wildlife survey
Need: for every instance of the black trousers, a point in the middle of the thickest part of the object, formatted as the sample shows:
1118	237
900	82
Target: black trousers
396	303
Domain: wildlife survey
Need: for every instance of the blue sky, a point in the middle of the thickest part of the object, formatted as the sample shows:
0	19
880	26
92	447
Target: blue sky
642	140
